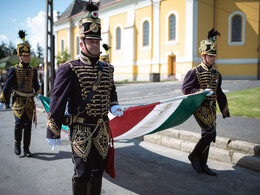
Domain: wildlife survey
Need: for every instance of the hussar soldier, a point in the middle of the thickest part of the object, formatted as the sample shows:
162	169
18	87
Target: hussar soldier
105	58
22	82
206	77
87	85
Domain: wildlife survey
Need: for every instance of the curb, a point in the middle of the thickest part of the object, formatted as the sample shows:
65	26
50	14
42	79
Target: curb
241	153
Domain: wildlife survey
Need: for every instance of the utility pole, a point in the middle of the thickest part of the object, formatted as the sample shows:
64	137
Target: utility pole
49	55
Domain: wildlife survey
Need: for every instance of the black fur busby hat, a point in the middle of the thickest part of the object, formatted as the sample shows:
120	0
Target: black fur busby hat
105	58
90	25
208	46
24	47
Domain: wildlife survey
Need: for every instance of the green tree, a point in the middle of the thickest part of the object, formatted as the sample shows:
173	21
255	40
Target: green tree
39	51
35	61
63	57
11	48
6	50
3	50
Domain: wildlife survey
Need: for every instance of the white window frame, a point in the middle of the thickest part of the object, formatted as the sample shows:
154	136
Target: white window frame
115	39
75	52
141	34
62	39
120	39
243	23
174	42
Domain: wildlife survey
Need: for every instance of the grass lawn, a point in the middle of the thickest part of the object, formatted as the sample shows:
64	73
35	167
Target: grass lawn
244	103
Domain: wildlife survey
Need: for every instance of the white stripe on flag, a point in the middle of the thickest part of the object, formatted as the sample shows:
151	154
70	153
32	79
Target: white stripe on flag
152	121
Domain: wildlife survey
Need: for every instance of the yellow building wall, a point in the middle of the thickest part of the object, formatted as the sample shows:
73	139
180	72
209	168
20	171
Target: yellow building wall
143	55
166	7
225	51
62	34
117	56
249	49
75	32
238	69
140	14
205	21
223	9
101	22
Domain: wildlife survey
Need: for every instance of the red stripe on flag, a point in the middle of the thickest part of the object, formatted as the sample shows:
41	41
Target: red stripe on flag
132	116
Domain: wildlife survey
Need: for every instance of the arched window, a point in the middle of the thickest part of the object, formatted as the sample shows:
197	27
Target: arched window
172	28
118	38
146	33
62	46
77	45
236	28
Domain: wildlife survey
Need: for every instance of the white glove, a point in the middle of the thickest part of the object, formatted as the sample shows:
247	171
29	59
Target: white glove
210	92
117	110
2	106
52	143
38	96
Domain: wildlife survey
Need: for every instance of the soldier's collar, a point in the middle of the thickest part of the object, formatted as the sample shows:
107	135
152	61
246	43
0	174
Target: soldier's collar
84	59
23	65
87	60
205	67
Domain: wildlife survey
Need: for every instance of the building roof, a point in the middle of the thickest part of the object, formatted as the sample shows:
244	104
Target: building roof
74	8
77	6
106	2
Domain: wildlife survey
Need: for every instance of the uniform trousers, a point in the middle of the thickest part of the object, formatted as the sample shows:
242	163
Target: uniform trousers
23	126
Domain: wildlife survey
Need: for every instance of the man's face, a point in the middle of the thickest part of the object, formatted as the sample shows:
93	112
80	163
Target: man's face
25	58
208	59
93	46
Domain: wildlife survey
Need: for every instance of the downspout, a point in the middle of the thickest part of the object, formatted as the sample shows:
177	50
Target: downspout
214	14
152	24
258	49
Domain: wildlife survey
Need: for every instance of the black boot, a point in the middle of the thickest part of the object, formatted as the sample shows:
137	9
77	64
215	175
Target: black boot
27	140
81	188
195	162
17	138
198	150
17	148
208	171
27	152
96	185
203	163
196	154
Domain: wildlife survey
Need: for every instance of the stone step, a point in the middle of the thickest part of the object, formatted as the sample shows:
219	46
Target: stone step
224	149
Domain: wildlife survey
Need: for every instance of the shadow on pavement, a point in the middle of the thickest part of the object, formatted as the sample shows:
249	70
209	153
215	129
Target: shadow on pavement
142	171
52	156
252	162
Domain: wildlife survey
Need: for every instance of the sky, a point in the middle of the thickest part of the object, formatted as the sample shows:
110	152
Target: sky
28	15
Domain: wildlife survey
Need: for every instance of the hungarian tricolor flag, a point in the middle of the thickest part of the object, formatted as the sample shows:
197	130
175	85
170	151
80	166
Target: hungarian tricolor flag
46	105
150	118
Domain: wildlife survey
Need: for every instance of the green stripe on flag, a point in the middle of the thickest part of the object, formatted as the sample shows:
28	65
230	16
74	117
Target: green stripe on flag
46	105
184	111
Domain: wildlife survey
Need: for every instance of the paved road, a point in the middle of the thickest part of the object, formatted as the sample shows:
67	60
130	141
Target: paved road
142	168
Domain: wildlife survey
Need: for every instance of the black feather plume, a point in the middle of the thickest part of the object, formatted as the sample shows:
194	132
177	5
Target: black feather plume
106	47
22	34
91	6
212	33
